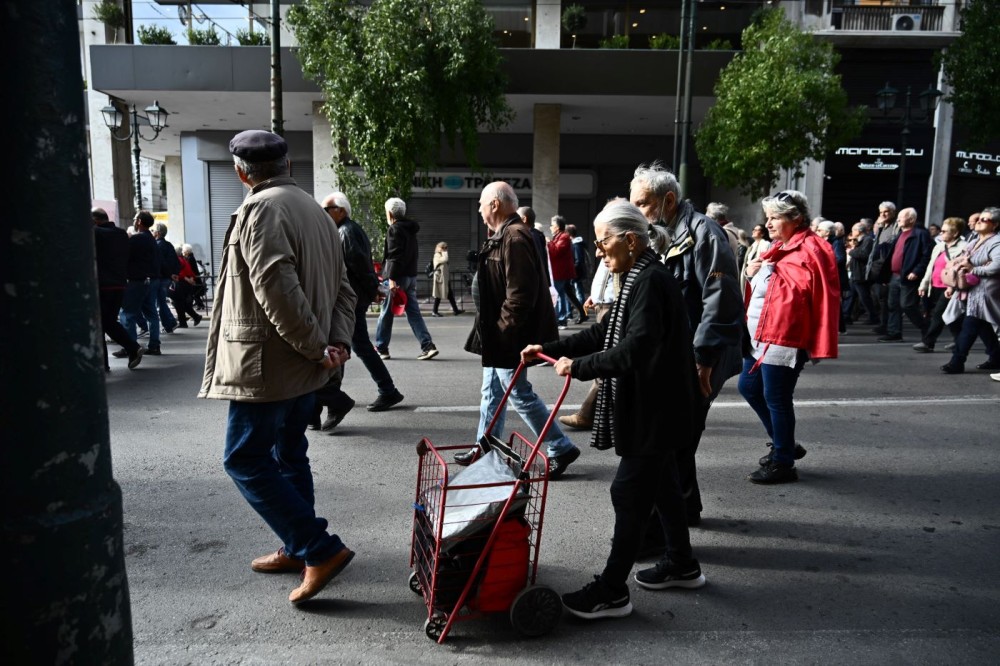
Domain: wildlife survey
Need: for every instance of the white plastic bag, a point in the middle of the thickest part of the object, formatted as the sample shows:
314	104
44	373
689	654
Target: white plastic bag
954	311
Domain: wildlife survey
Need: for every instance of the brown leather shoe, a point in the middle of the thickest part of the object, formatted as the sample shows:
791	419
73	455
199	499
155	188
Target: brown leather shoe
576	422
316	578
277	563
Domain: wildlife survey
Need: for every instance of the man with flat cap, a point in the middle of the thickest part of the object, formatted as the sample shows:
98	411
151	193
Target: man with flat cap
282	328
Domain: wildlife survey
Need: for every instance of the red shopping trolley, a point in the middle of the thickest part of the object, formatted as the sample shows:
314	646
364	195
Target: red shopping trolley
477	531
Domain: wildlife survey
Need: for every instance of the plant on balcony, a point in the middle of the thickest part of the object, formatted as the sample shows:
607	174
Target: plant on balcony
574	19
110	13
247	38
719	45
614	42
664	41
778	103
972	68
399	77
154	34
206	37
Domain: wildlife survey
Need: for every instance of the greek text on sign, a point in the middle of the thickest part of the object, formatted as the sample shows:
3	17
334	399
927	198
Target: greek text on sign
464	183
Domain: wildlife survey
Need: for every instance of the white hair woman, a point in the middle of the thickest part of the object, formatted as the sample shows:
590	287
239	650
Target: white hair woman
642	350
792	317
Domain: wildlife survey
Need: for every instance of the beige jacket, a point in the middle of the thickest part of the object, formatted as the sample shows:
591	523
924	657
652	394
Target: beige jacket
282	295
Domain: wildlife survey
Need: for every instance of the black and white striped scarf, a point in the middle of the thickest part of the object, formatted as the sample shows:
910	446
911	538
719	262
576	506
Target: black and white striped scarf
604	420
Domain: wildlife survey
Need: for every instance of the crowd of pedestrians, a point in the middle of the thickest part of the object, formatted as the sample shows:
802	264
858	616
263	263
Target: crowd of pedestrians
681	301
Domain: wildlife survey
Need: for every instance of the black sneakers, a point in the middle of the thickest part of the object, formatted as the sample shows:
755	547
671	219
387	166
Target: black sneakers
333	418
428	354
597	600
558	464
774	473
385	401
667	574
800	453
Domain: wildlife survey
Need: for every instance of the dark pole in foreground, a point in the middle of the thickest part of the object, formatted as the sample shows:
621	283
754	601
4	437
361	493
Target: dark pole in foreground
277	107
65	592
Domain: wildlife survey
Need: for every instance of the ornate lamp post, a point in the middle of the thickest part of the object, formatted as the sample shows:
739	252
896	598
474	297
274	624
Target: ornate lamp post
927	103
156	118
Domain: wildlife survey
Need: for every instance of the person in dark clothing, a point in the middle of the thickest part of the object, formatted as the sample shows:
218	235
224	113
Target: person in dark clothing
699	257
645	409
361	275
910	254
143	268
170	268
861	244
183	292
111	246
399	267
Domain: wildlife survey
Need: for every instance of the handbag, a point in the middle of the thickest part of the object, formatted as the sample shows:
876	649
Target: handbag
954	311
957	277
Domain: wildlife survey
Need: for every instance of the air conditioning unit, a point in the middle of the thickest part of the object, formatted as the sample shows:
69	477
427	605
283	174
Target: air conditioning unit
906	22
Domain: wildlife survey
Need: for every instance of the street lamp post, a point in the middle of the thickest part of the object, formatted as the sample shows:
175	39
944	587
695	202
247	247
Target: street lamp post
156	118
928	100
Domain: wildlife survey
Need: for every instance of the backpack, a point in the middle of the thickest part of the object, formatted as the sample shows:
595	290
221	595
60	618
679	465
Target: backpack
429	269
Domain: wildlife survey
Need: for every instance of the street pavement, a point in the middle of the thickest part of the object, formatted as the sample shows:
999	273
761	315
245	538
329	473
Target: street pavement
885	552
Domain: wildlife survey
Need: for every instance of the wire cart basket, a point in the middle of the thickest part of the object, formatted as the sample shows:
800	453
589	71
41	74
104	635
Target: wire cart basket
477	531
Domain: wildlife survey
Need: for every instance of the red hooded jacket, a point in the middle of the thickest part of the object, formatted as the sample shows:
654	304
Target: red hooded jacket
802	303
561	256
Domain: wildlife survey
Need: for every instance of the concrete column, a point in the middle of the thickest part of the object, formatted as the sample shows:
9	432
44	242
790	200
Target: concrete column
548	24
175	199
324	154
937	185
812	185
545	162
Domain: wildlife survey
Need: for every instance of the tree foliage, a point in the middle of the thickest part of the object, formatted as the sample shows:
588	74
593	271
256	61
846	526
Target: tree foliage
154	34
399	77
779	102
206	37
972	67
247	38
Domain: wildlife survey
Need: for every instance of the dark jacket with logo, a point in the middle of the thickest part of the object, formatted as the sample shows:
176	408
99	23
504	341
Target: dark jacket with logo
514	305
111	245
400	255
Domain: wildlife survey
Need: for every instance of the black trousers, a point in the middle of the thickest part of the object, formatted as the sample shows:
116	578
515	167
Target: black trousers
111	303
641	483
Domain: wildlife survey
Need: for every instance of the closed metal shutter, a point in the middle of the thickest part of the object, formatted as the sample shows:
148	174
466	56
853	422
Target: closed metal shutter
454	221
226	193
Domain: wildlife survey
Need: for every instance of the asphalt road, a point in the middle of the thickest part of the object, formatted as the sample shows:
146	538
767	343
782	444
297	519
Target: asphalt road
885	552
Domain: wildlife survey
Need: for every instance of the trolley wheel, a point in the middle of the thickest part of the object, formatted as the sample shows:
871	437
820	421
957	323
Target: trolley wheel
536	610
434	627
414	583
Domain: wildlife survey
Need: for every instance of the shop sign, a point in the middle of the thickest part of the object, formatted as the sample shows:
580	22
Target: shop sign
969	163
449	183
870	158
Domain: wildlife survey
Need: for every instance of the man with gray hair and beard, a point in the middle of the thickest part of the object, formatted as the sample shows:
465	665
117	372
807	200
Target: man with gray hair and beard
282	325
700	258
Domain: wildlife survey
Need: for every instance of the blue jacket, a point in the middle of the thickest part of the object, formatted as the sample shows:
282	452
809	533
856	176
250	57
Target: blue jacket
916	252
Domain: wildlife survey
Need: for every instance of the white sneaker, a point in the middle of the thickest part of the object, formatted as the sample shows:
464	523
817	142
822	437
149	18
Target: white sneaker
995	376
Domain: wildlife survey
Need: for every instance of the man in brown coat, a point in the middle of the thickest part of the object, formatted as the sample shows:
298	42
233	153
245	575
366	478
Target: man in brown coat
282	325
513	309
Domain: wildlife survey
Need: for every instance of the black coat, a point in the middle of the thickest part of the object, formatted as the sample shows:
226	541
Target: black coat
170	265
654	363
400	256
143	259
858	261
111	245
358	259
514	308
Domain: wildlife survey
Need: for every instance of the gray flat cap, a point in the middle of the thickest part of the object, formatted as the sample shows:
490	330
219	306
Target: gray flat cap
258	146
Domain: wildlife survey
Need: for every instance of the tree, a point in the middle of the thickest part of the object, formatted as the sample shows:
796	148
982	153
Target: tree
574	19
111	14
972	68
206	37
778	103
398	78
154	34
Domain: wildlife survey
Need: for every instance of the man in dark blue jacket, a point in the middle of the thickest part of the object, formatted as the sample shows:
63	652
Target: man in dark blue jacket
143	268
111	249
170	266
911	251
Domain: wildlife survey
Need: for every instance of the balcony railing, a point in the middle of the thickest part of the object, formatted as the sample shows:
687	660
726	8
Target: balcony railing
881	18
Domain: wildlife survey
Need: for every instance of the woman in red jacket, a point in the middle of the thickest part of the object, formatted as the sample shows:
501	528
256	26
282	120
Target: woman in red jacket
792	316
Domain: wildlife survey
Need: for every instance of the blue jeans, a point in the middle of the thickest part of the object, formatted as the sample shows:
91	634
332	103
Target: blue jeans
768	390
383	330
563	308
526	402
266	458
162	287
361	345
140	301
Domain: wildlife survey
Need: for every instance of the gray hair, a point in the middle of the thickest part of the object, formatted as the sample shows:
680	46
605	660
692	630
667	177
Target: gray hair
160	229
826	226
993	212
861	227
505	195
909	212
187	248
620	216
340	201
717	211
789	203
887	204
395	207
655	178
258	172
528	213
559	221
